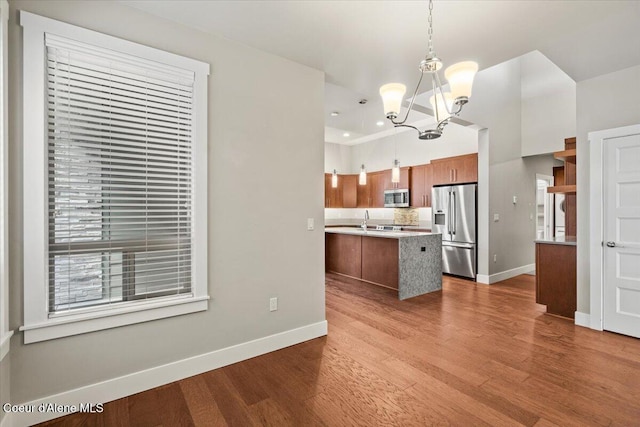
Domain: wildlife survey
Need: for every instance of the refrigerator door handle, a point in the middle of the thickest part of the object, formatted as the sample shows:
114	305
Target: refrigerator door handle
454	214
449	214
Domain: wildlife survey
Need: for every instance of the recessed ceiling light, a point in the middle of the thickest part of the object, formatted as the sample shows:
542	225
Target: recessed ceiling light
346	134
380	123
334	113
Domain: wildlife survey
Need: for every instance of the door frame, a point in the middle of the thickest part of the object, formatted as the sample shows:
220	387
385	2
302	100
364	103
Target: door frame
596	218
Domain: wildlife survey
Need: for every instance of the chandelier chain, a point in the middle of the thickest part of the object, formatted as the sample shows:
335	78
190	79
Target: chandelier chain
430	27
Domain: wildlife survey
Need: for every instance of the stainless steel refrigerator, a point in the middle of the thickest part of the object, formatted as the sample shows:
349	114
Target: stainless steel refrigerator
454	215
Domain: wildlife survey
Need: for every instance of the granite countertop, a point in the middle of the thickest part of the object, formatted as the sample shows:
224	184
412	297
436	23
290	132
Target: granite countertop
375	233
563	240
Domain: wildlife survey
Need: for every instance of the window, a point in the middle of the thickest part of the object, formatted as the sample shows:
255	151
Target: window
5	334
122	155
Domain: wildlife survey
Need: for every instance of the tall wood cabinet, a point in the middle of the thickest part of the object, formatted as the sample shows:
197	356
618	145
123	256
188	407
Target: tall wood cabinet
556	257
565	183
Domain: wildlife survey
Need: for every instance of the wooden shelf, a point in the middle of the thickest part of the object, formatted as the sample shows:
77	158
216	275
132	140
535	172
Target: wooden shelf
566	155
563	189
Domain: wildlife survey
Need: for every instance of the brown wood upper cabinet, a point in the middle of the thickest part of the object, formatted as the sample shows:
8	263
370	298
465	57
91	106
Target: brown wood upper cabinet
377	182
455	170
349	191
332	196
421	183
343	196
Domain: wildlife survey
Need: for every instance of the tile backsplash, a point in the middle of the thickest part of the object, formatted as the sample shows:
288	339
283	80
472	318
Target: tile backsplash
414	216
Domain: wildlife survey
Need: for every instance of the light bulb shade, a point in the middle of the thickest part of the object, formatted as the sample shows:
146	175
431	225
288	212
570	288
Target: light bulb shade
395	172
392	95
362	179
460	77
444	106
334	179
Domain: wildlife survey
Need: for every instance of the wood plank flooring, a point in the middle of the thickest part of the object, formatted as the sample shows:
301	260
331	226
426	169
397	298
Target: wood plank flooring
471	355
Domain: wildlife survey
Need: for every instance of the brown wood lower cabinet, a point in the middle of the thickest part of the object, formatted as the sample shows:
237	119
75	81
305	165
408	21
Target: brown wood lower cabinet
343	254
380	261
372	259
556	278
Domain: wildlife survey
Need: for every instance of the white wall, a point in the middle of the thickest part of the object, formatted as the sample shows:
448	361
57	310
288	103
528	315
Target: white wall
603	102
338	157
258	243
548	111
409	150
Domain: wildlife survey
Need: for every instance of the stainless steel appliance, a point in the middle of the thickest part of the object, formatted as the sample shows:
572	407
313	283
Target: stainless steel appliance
454	215
398	198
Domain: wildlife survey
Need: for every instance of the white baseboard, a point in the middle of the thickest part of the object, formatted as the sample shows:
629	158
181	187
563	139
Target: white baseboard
504	275
582	319
482	278
136	382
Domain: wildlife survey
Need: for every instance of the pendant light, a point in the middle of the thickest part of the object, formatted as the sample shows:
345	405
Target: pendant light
445	104
334	179
395	172
362	179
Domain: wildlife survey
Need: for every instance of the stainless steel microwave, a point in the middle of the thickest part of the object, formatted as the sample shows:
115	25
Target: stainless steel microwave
398	198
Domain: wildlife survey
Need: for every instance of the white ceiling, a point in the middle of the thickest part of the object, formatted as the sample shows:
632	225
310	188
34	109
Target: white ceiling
361	45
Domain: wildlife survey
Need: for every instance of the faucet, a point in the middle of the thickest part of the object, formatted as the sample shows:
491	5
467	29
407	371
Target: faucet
366	218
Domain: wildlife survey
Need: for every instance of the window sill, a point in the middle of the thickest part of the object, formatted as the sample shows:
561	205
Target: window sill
75	324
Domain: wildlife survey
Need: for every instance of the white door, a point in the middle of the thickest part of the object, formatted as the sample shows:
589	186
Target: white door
621	211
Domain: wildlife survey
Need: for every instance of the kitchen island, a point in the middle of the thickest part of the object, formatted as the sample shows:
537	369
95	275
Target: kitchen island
406	261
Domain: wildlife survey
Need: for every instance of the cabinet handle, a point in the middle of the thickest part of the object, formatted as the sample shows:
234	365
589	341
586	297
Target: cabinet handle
427	197
451	175
455	171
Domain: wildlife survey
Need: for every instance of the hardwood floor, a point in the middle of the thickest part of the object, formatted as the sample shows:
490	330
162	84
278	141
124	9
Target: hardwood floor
471	355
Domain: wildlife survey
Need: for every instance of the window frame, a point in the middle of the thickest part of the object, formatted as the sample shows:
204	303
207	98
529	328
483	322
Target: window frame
38	324
5	333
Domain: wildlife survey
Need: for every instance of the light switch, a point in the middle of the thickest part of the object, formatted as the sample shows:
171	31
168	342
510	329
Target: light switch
310	224
515	199
496	217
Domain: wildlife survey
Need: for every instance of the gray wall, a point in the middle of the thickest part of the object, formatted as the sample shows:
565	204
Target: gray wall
265	178
5	384
497	107
603	102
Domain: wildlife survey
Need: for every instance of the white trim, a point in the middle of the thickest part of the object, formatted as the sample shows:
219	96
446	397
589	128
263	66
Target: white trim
5	333
127	385
482	278
61	327
35	179
582	319
596	218
504	275
5	341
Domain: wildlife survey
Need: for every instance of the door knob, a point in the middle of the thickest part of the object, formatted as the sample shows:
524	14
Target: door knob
611	244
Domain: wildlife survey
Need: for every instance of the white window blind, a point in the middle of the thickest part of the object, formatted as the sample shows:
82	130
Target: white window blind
120	177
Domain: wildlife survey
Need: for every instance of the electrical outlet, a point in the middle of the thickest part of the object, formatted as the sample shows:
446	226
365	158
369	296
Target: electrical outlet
515	199
310	224
495	257
273	304
496	217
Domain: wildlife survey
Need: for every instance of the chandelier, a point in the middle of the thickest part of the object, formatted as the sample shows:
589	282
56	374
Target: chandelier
445	104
